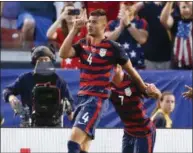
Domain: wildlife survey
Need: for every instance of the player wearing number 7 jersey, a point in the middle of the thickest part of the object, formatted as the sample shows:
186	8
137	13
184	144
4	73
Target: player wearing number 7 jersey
98	57
139	131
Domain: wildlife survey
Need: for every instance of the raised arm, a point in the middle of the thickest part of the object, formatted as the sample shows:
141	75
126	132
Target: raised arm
138	6
140	34
166	19
114	34
51	33
66	50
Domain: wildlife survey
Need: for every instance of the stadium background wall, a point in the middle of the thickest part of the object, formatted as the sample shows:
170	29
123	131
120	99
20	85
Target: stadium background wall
165	80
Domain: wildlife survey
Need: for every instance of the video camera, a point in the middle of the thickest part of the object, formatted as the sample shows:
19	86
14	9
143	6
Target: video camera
47	108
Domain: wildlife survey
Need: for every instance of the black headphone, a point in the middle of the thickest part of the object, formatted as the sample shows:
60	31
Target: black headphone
39	51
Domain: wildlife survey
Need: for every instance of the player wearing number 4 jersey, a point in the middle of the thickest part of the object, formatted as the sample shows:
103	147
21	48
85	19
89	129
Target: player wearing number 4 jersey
98	56
139	131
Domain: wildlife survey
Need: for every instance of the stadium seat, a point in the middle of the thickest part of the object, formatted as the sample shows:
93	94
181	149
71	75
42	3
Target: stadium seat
11	38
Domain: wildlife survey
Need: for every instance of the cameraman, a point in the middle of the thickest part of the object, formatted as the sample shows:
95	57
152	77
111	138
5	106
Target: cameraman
25	85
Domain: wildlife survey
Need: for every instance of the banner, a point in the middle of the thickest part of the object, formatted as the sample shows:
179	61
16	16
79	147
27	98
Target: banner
173	81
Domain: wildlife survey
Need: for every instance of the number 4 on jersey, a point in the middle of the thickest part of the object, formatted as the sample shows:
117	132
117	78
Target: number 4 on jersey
85	117
89	59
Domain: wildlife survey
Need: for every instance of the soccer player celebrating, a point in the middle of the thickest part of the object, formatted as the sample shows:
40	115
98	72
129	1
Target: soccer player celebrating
98	56
139	131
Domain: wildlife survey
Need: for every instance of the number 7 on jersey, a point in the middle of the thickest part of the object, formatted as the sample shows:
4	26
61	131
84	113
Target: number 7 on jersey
122	98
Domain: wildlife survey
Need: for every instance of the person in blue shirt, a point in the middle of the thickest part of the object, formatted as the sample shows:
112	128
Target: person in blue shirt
34	20
26	82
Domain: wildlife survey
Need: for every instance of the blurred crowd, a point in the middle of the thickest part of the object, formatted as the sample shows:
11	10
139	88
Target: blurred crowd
156	35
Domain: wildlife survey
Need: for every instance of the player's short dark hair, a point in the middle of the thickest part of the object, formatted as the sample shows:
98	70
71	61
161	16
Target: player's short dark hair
98	12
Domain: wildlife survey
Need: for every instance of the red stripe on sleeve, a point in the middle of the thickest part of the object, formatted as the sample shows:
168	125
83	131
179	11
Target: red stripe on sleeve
95	59
91	76
84	92
84	66
94	83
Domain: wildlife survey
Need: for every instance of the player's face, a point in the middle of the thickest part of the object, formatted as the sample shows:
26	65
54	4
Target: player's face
95	26
185	9
43	59
168	103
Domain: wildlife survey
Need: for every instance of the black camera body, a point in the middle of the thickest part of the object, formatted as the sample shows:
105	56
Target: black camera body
74	12
47	106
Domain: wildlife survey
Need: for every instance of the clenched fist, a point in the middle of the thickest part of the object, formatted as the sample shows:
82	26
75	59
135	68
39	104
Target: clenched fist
152	91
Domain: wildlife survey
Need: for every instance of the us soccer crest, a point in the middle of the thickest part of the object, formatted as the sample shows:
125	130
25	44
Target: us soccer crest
128	92
102	52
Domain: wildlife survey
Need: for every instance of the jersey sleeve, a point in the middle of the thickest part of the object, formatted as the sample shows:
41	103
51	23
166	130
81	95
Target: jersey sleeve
160	121
121	57
78	48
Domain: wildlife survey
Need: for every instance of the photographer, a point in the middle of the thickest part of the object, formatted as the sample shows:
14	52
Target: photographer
40	90
60	29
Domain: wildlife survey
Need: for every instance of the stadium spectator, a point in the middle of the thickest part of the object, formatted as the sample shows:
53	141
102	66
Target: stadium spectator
111	8
165	106
158	49
181	28
34	20
131	32
59	33
189	93
9	14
